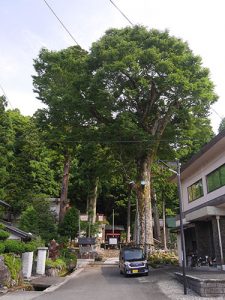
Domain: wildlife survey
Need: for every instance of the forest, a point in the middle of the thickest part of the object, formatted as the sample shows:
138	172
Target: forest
137	97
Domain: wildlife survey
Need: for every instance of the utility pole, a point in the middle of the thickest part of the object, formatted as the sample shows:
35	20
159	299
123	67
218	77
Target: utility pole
177	172
182	230
164	224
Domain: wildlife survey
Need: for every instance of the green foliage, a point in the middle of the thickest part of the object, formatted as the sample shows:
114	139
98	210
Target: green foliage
69	257
3	235
222	125
162	258
87	227
29	247
14	246
14	265
58	263
39	220
2	247
69	226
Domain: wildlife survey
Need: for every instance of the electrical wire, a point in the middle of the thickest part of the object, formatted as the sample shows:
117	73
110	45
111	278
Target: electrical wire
70	34
121	13
217	113
4	93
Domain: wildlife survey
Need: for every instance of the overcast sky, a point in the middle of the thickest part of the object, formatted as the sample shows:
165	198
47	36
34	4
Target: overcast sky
28	25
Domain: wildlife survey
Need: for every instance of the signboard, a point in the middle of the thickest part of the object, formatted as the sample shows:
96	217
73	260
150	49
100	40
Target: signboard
113	241
84	217
86	241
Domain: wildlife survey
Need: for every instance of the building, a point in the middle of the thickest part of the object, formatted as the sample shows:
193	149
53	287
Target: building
203	199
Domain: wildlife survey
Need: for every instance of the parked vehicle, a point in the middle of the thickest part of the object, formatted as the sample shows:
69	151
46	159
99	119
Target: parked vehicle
132	261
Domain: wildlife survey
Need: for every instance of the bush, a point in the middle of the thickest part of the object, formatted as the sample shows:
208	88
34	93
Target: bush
2	247
162	258
14	264
14	246
29	247
69	257
3	235
57	264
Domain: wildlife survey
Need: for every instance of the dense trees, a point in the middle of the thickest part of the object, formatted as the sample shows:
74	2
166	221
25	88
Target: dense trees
143	81
137	96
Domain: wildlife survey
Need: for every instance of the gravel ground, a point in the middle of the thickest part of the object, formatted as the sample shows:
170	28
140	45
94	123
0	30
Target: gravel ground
174	290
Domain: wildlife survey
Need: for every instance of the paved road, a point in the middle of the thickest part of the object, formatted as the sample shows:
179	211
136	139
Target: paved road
104	282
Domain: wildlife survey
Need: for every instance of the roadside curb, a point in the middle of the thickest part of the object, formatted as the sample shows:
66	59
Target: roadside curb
67	278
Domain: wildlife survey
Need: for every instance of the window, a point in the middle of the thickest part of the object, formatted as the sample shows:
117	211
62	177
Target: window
195	191
216	179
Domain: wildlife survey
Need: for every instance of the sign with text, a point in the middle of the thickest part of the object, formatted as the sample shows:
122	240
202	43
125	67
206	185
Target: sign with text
84	217
113	241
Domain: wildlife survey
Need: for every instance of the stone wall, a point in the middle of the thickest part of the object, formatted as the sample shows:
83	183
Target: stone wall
204	287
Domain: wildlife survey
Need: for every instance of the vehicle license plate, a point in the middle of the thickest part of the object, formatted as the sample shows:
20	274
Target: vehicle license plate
134	271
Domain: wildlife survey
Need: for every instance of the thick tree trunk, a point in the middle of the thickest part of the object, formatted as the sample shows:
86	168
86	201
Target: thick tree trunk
64	189
143	189
157	232
92	201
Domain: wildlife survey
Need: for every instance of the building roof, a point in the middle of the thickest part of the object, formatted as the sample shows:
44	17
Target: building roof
16	231
116	227
216	145
204	149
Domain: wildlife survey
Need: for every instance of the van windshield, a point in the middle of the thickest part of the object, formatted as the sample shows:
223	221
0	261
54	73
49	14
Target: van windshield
133	254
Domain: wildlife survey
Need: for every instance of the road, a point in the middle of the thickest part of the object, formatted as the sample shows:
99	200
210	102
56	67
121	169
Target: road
101	282
105	282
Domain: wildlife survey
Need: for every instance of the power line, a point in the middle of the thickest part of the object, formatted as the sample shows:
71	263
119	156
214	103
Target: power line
121	12
4	93
70	34
217	113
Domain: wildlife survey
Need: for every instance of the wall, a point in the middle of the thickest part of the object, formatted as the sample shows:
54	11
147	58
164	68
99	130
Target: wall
201	172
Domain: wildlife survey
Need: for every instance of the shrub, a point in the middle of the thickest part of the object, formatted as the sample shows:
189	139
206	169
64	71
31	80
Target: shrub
14	264
3	235
69	257
57	264
29	247
2	247
161	258
14	246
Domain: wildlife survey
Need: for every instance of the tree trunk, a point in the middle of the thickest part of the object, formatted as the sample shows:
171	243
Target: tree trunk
92	201
128	218
157	233
64	189
144	201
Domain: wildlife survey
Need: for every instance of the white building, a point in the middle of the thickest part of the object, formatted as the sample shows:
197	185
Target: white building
203	200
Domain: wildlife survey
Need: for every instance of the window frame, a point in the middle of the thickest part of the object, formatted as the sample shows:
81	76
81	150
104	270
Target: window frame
191	197
216	171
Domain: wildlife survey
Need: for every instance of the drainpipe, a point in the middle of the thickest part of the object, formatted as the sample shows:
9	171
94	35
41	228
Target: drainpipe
220	240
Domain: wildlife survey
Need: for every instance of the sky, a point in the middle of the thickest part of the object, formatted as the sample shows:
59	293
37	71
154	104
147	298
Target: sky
28	25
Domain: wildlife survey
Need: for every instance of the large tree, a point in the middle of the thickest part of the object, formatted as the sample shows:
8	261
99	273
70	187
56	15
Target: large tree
142	81
61	82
